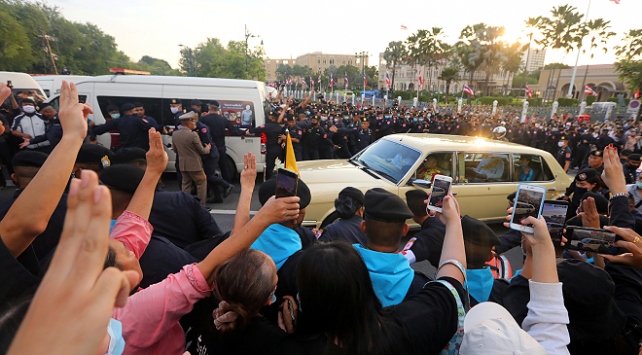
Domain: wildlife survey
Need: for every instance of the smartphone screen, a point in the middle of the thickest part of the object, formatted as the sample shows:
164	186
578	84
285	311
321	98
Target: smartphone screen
528	202
286	183
554	212
440	188
592	240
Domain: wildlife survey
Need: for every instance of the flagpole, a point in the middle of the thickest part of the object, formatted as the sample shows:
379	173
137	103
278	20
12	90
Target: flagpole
572	84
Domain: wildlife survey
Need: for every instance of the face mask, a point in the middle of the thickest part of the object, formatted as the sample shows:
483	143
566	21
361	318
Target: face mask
116	340
173	109
115	115
638	184
415	119
387	116
560	144
28	109
407	116
323	118
273	299
307	112
346	117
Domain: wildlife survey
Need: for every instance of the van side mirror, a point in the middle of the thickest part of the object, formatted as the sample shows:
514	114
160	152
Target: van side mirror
423	184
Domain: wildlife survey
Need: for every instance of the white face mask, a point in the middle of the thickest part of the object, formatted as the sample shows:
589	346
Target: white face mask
560	144
173	109
28	109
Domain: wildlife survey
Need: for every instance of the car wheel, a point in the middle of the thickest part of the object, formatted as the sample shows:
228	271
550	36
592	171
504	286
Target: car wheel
230	169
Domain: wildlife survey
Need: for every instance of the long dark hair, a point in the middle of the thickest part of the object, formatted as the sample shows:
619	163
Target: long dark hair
338	300
346	206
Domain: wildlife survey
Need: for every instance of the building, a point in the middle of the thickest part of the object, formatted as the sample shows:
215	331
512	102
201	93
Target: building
600	77
317	61
536	60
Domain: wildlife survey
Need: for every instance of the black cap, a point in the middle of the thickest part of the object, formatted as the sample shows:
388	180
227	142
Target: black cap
112	108
634	156
384	206
585	174
196	102
123	177
596	153
563	138
29	158
268	189
213	103
273	114
138	104
511	197
176	101
585	286
43	106
601	203
128	155
127	107
95	154
477	232
28	101
354	193
416	195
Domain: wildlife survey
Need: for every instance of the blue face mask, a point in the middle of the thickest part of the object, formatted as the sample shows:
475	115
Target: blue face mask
638	184
115	115
415	119
116	340
387	116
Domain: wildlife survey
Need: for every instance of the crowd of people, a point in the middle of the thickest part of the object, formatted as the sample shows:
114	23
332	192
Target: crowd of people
96	258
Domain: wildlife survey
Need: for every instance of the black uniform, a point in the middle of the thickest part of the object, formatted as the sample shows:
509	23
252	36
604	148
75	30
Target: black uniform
217	125
326	146
133	131
348	230
564	155
364	139
296	133
312	137
272	132
210	161
583	144
602	141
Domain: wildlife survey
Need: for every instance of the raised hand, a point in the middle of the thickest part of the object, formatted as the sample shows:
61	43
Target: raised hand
589	216
631	242
72	114
280	210
612	174
248	175
5	92
156	156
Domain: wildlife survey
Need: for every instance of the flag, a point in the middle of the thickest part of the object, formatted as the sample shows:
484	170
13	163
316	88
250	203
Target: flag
319	80
346	80
637	94
365	81
404	28
616	1
331	81
303	83
468	90
421	80
311	82
387	80
529	92
290	158
589	91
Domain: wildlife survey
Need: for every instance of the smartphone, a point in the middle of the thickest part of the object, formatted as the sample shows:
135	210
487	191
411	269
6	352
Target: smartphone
554	211
9	84
528	202
591	240
287	182
440	188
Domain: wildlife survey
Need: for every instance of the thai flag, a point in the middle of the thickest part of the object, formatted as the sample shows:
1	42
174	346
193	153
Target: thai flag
637	94
404	27
468	90
529	92
331	80
311	82
421	80
589	91
346	80
616	1
387	80
365	81
319	80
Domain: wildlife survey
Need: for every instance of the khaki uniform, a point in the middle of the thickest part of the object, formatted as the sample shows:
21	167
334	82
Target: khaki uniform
186	143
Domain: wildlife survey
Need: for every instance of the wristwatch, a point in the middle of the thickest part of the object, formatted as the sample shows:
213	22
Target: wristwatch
621	194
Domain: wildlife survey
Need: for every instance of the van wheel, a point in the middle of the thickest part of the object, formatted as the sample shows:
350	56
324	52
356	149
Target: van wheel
230	169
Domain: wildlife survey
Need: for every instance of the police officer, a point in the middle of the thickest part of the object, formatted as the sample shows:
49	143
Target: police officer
218	125
387	124
210	163
296	135
584	143
564	153
132	128
273	131
312	137
349	208
365	136
326	146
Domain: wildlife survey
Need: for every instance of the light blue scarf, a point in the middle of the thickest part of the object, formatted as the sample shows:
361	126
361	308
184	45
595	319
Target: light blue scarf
480	283
279	242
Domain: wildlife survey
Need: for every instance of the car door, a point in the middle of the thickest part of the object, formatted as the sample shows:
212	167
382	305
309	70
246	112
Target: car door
533	169
482	182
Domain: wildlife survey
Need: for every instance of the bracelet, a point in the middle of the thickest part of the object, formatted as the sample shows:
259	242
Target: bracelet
621	194
453	262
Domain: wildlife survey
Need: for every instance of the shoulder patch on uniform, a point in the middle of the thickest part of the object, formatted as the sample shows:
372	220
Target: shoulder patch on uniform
299	132
325	136
568	155
145	120
203	130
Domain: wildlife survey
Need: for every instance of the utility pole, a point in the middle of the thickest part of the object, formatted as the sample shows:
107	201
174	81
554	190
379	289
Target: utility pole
579	51
362	57
248	35
51	55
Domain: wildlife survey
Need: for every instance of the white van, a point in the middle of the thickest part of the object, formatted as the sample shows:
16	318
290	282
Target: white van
51	83
237	98
21	82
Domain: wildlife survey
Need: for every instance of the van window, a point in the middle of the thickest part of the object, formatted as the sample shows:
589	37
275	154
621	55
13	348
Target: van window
531	168
435	164
484	167
153	106
55	102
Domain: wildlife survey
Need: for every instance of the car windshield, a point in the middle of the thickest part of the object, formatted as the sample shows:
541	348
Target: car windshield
388	159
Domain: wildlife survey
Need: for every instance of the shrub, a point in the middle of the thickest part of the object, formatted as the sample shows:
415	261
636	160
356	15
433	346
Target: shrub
565	102
590	99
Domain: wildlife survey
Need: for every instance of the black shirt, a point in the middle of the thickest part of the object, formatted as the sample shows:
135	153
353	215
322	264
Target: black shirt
348	230
217	125
429	242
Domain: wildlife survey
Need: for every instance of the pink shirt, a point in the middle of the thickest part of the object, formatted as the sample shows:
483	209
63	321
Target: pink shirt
150	318
134	231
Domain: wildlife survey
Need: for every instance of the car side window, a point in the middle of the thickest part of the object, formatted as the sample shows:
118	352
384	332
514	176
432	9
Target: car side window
475	168
531	168
435	164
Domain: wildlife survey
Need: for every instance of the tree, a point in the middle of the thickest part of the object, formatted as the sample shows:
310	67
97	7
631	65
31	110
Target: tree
493	53
427	48
562	31
632	45
471	50
156	66
355	78
395	54
532	27
449	75
283	72
598	33
511	61
211	59
372	74
556	66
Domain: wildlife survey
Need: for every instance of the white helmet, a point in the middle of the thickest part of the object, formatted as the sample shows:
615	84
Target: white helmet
500	132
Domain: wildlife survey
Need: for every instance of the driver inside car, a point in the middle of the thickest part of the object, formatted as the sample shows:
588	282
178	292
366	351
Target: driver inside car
429	169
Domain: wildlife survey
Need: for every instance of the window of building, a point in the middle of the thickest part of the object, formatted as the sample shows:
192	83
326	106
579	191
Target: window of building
331	61
285	62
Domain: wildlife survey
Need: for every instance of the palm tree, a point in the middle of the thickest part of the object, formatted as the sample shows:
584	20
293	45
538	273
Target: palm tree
427	48
493	55
511	60
394	54
632	46
563	30
471	50
449	75
598	32
532	26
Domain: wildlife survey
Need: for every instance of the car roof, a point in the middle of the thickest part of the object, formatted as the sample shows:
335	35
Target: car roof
460	143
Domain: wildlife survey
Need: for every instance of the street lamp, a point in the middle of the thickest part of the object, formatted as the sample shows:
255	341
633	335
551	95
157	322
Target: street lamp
248	35
362	56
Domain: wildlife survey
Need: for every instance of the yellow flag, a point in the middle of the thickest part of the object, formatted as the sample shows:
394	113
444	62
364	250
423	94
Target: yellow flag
290	158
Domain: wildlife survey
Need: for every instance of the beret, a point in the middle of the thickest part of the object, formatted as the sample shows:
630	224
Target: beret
384	206
195	102
477	232
213	103
123	177
29	158
596	153
268	190
356	194
127	107
601	203
585	174
127	155
95	154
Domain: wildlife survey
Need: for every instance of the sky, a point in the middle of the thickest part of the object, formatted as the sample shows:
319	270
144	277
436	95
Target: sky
289	28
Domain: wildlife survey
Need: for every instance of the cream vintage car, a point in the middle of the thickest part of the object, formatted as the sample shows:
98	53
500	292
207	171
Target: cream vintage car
484	172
